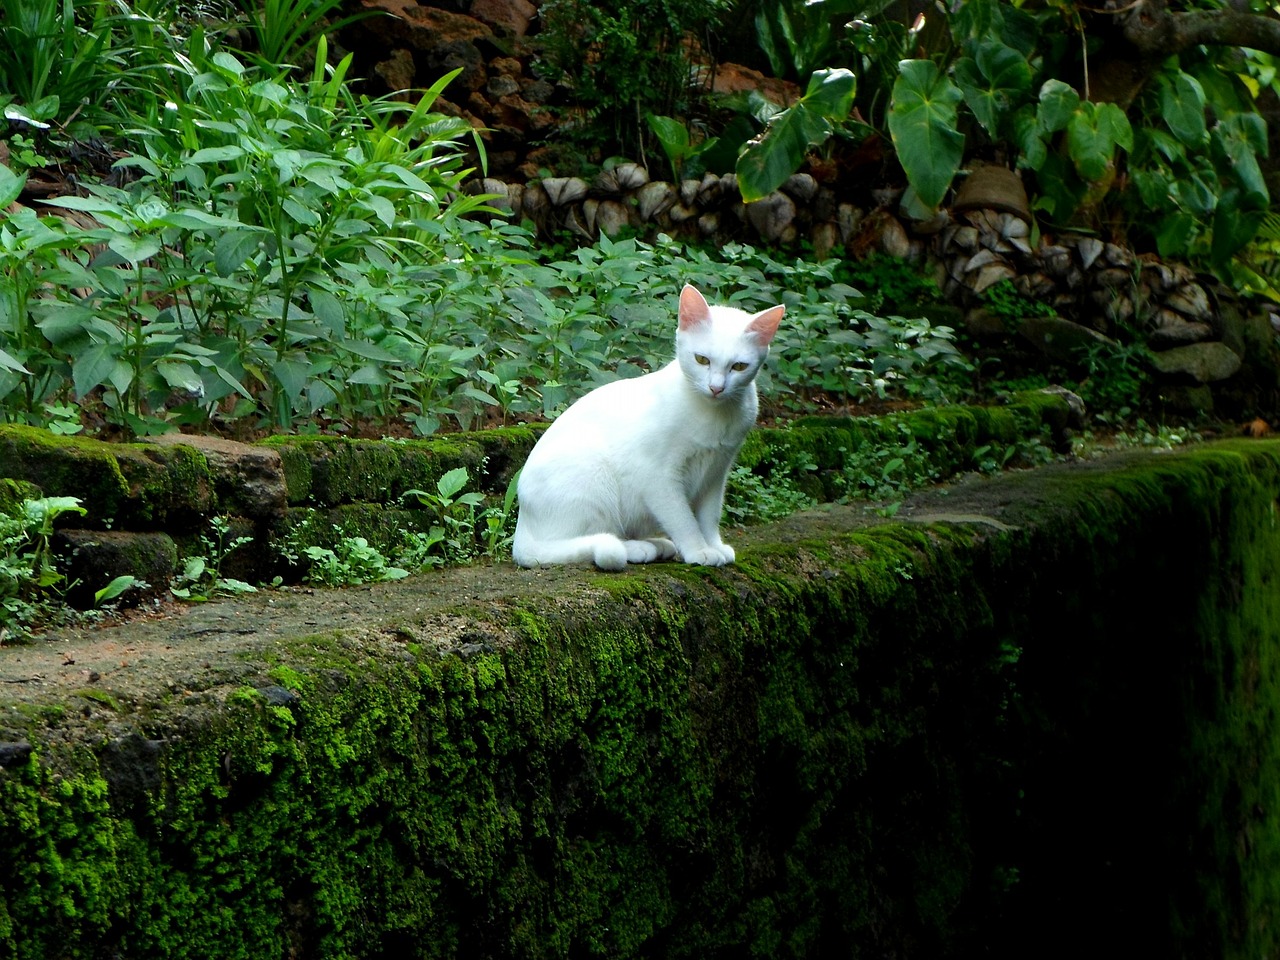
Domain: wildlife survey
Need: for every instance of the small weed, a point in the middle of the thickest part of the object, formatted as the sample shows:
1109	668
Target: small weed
462	531
352	561
1004	300
201	577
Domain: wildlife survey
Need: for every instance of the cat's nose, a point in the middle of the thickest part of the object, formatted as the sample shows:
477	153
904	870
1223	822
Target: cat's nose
716	391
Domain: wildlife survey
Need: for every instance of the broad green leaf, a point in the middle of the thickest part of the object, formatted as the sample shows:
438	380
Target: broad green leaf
1093	132
831	92
922	121
87	204
113	589
217	154
370	351
1029	139
134	249
452	482
328	310
1113	123
1234	225
1182	106
291	375
1058	103
11	185
991	81
370	375
9	362
1237	142
233	249
1174	235
92	367
180	376
766	162
299	213
671	133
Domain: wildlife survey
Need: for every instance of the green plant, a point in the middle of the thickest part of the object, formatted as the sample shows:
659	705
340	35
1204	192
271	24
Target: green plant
1117	375
462	529
352	561
1003	299
624	59
767	161
30	581
768	490
282	28
56	61
201	577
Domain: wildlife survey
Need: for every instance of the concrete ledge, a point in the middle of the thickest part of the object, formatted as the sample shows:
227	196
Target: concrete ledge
1035	712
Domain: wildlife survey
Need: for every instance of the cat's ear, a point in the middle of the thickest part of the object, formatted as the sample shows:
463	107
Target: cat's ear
765	324
694	311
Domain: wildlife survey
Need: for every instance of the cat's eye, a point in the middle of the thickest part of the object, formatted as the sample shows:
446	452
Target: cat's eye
738	367
702	361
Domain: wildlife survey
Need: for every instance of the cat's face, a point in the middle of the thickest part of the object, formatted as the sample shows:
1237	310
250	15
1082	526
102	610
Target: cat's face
721	349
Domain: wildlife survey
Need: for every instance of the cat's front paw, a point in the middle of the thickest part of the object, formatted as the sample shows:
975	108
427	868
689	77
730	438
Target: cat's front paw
706	557
729	554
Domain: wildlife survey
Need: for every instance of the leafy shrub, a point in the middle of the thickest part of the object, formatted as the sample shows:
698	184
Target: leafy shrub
624	58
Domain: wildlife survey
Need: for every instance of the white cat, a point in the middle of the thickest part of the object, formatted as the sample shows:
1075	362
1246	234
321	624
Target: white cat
635	471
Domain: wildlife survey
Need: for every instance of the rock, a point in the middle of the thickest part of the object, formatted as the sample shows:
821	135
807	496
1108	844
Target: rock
612	217
501	85
892	237
1059	339
654	199
682	213
989	275
848	219
512	17
562	191
620	180
801	187
247	478
709	190
981	322
1090	249
824	237
536	91
13	753
709	224
771	216
91	559
576	222
446	41
734	78
1178	332
397	71
1191	301
536	204
1202	362
515	200
689	191
993	187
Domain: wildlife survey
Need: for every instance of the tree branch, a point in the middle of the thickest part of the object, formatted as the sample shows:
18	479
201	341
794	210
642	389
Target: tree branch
1157	32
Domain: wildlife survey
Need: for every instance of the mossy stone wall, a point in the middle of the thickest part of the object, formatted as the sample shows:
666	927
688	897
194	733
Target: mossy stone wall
1034	716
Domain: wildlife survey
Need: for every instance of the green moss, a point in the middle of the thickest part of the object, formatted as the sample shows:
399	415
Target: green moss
144	486
847	744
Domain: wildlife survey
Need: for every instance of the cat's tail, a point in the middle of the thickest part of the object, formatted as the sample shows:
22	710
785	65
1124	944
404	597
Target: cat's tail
603	549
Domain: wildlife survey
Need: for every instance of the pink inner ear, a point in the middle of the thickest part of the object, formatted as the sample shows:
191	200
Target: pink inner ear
693	308
765	324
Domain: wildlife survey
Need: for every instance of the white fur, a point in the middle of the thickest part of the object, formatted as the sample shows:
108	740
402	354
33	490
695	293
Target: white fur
635	471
